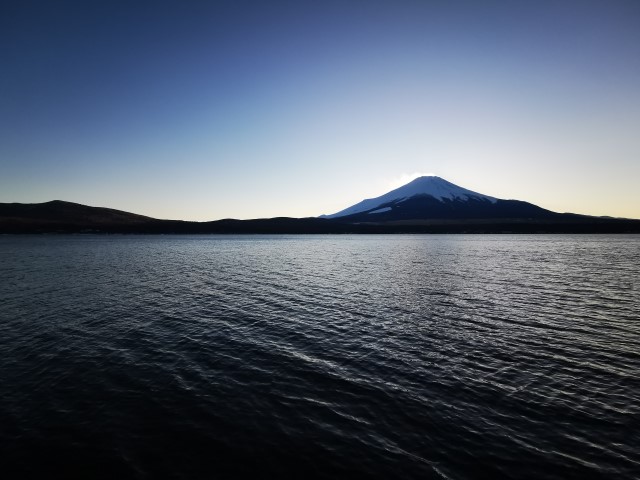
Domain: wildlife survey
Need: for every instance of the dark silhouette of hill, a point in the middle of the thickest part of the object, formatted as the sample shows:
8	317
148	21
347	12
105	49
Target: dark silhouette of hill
67	217
60	215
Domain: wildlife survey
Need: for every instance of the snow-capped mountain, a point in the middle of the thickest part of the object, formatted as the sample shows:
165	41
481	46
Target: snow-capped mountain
434	197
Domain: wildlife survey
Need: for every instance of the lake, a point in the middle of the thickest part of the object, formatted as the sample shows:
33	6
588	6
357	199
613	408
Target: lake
391	356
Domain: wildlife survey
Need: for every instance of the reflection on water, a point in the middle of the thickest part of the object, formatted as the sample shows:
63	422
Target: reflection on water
324	356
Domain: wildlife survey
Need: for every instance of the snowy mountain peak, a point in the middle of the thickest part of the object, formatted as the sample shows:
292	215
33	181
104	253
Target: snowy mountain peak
438	188
432	186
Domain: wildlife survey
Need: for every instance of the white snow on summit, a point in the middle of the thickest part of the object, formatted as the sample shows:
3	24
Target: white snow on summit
437	187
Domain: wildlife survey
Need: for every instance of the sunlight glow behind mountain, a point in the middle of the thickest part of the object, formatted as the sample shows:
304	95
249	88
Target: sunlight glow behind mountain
406	178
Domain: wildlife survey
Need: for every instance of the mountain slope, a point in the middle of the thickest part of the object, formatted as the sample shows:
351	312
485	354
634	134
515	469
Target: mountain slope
63	215
435	198
445	215
435	187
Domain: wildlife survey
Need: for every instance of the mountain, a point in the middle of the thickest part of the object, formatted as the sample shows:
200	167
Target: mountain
431	197
61	215
427	205
58	216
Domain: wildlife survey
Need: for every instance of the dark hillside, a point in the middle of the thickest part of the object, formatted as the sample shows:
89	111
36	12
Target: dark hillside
66	217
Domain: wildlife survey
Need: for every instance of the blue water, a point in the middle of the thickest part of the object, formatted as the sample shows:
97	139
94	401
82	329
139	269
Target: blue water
396	356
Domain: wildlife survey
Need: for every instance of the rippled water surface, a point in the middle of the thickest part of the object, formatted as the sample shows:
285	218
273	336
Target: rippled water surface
320	356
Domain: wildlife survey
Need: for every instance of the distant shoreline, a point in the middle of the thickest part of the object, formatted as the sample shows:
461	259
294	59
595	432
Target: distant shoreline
257	227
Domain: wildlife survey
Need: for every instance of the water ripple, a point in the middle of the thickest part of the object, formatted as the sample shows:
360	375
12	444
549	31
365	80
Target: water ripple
454	357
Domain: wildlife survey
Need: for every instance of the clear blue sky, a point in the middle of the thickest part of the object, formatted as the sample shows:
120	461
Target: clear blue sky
203	110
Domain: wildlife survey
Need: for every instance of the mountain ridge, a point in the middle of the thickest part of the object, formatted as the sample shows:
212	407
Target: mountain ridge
430	185
425	205
430	197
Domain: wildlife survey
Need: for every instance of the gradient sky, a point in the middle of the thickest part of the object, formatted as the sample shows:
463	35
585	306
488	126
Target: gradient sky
203	110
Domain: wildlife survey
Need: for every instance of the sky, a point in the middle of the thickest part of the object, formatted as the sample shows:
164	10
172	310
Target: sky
200	110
